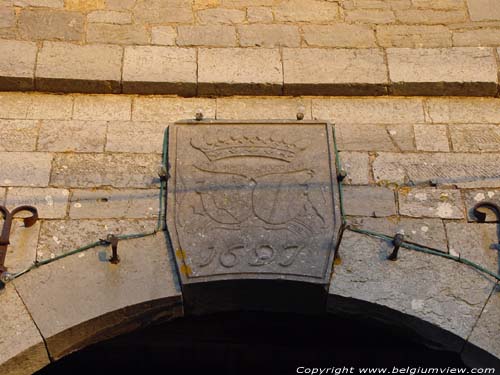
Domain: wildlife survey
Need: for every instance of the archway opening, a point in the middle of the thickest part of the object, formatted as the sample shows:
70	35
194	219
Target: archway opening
254	343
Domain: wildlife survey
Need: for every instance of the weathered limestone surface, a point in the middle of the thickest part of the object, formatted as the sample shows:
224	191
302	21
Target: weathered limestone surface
254	71
115	296
262	108
150	70
334	72
476	137
441	292
431	138
364	137
72	136
376	202
21	253
428	202
18	135
22	348
356	166
98	107
451	71
25	168
171	109
51	203
17	65
70	67
134	136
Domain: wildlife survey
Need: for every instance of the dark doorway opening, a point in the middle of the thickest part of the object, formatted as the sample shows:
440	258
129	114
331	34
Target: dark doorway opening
253	343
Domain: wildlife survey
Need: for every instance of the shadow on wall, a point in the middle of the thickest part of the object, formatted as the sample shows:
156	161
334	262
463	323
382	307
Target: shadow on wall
254	343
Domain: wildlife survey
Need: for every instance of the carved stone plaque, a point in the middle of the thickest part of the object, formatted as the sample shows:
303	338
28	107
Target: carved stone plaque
252	201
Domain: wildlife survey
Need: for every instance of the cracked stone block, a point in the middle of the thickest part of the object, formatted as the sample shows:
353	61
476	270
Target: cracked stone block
72	136
351	137
105	302
369	110
473	197
17	65
339	35
426	232
429	202
356	164
443	71
411	36
373	201
22	350
171	109
239	71
61	236
260	108
18	135
47	24
25	168
462	170
269	36
111	203
485	335
102	107
463	111
311	71
473	241
134	136
159	70
475	137
437	291
51	203
96	170
66	67
431	138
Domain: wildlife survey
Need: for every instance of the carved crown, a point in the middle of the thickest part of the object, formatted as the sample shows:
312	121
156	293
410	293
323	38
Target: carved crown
247	146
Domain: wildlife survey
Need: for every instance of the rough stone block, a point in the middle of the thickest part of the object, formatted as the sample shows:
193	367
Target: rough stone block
100	107
18	135
463	170
96	170
352	137
106	303
370	16
473	197
61	236
161	11
438	4
431	16
51	203
262	108
47	24
365	274
25	168
462	110
72	136
120	4
426	232
269	36
373	201
334	72
484	10
21	253
413	36
111	203
476	37
210	36
244	3
159	70
40	3
84	5
133	136
259	15
369	110
449	71
110	16
339	35
117	34
171	109
22	348
310	11
7	16
221	15
473	242
357	167
232	71
17	65
50	107
431	138
475	137
428	202
82	68
163	35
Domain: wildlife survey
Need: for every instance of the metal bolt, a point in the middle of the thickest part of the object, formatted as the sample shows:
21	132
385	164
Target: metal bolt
397	242
342	175
199	114
300	112
162	172
113	240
